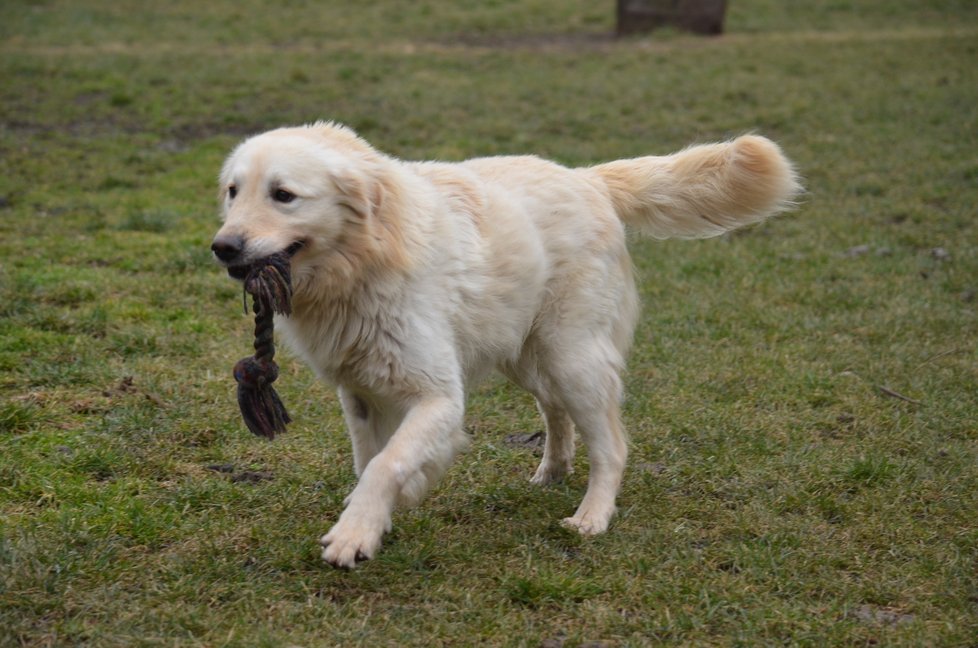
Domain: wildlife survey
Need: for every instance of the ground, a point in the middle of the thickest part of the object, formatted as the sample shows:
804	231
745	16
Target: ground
801	399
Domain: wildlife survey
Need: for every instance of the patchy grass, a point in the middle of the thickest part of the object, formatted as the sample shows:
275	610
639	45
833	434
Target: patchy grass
801	397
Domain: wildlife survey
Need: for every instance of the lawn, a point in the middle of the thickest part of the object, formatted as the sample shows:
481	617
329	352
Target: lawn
802	398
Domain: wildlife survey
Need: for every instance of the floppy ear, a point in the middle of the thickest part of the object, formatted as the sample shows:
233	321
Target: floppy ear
375	202
359	192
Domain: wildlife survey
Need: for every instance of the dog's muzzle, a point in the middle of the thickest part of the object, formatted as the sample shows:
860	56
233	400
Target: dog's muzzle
228	250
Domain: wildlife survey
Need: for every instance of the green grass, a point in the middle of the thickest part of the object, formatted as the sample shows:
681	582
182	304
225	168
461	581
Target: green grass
780	490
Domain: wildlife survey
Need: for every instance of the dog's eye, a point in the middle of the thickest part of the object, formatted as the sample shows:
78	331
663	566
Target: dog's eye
232	192
283	196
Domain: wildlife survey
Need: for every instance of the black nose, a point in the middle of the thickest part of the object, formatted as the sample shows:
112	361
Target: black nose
227	248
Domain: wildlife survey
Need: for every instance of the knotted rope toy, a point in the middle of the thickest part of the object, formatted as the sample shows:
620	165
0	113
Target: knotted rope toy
269	282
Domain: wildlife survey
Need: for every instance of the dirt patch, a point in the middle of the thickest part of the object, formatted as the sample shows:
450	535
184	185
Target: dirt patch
128	386
246	476
534	441
572	41
881	616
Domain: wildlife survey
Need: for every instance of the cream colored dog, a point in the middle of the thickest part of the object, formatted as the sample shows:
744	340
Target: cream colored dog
415	279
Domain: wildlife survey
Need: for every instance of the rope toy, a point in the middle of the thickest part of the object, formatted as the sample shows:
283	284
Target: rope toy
269	282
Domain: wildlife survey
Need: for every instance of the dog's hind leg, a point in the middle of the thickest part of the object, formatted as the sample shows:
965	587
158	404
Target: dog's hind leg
590	389
607	451
558	449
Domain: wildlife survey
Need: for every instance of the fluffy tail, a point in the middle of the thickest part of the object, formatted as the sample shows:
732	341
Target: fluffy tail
703	190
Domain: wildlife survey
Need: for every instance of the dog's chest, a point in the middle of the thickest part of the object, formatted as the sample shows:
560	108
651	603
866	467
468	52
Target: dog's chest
348	347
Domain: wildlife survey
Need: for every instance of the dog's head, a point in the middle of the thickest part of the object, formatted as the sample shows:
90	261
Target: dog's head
314	193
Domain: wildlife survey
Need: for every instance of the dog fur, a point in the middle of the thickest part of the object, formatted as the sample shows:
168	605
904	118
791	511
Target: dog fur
412	280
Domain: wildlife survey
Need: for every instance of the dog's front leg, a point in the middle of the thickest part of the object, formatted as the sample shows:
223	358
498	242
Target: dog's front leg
420	450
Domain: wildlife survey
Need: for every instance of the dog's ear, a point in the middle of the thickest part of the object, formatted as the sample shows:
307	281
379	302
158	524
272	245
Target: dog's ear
374	201
359	192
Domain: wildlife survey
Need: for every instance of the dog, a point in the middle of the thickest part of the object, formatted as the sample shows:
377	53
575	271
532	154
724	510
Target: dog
413	280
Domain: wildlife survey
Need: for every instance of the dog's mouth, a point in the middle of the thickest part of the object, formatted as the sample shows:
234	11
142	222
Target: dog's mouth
240	272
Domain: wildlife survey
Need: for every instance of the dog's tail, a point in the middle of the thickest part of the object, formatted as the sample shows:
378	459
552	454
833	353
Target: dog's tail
703	190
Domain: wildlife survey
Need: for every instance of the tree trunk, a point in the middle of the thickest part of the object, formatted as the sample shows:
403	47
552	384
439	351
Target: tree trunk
698	16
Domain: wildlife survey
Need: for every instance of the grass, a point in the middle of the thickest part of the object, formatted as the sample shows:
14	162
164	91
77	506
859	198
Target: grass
801	397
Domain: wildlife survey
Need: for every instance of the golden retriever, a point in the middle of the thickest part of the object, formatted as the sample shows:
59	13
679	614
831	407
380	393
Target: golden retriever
412	280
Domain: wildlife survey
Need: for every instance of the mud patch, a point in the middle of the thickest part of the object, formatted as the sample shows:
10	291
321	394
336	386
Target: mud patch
533	441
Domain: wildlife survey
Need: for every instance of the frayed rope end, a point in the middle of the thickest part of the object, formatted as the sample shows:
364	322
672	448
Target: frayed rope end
261	407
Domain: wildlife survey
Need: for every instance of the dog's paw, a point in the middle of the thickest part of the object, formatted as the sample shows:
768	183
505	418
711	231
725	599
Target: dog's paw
550	473
587	525
354	538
